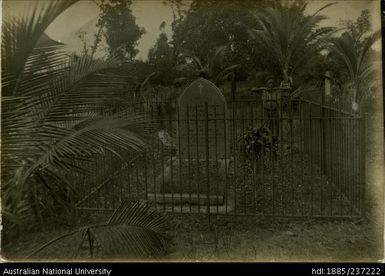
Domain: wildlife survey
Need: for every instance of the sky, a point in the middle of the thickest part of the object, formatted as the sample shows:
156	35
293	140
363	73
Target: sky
151	13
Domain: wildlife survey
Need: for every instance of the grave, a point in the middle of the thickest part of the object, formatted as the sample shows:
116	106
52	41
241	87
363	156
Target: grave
198	170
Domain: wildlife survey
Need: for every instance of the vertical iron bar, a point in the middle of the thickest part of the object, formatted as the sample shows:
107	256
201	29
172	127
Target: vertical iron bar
338	171
172	186
302	152
145	175
188	156
137	181
234	150
322	156
180	163
331	146
351	169
292	179
163	184
129	180
207	158
344	162
225	145
262	189
253	168
362	161
312	138
197	156
216	157
154	176
281	122
244	173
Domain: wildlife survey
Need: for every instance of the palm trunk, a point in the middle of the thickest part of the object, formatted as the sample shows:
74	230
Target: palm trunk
285	75
355	102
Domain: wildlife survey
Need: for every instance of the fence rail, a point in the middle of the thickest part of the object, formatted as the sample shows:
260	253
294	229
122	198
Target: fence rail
217	160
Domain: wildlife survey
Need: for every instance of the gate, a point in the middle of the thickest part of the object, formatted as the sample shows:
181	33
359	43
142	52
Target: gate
307	160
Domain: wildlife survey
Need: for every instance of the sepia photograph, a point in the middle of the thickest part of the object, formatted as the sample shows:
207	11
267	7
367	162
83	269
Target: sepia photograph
191	131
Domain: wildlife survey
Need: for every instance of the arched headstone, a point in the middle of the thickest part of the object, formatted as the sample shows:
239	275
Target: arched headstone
203	138
202	127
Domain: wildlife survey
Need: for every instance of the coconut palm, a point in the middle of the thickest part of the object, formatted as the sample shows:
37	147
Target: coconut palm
290	38
57	112
353	55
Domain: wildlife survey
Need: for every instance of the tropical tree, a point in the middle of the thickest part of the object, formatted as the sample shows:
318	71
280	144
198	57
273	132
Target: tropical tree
360	27
119	28
353	55
207	25
55	115
162	58
291	39
351	58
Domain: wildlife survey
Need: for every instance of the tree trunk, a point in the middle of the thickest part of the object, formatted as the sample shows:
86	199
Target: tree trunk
355	102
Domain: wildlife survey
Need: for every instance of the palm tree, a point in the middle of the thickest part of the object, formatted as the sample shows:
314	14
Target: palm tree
353	55
290	38
55	114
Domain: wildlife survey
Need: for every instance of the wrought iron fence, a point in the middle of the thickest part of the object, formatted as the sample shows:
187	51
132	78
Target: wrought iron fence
299	158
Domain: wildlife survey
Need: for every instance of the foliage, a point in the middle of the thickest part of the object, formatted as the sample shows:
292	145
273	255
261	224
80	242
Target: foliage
214	69
54	117
291	40
359	28
133	231
162	57
208	25
120	29
257	142
352	56
16	52
178	8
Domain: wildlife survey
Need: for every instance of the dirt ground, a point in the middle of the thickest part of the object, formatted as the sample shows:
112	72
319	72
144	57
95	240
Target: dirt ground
263	239
247	239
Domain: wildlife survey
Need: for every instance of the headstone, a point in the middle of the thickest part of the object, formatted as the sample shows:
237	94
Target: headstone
197	175
202	129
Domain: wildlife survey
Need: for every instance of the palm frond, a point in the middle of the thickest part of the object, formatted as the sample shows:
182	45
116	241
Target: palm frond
101	134
343	49
323	8
366	45
145	81
20	35
133	231
288	36
216	59
353	55
56	110
225	73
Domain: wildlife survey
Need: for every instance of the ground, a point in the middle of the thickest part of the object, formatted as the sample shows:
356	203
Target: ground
275	240
248	239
